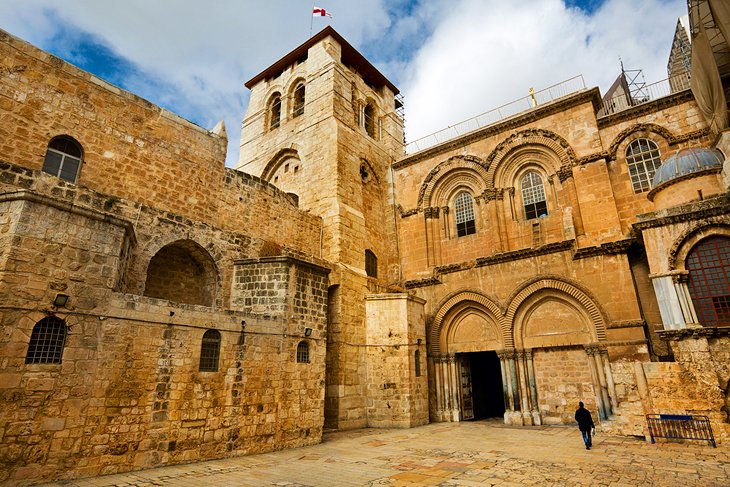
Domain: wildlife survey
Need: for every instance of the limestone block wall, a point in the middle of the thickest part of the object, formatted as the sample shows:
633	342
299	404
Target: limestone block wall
128	393
563	378
133	151
397	390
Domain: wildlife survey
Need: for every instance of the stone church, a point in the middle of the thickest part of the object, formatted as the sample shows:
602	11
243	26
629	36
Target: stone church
158	307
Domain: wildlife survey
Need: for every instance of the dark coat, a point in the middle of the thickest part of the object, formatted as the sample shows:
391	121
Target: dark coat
585	421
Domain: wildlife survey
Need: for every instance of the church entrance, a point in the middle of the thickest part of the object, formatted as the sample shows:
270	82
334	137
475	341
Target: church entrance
480	388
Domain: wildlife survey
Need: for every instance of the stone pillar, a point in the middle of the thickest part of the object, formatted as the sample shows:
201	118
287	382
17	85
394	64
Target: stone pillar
535	408
609	380
506	390
524	388
597	373
512	413
675	304
438	386
453	388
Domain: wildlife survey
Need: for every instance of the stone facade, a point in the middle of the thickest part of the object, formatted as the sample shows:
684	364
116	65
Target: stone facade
160	308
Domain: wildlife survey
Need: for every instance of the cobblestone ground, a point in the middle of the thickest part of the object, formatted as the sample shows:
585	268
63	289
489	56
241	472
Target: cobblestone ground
452	454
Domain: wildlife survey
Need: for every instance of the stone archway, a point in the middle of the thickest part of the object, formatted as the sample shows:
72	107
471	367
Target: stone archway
182	272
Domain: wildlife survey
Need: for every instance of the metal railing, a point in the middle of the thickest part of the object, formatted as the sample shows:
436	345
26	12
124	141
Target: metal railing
520	105
679	426
645	94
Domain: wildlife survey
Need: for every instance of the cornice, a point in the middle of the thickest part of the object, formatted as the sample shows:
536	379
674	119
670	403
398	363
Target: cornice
425	282
514	122
698	210
651	106
694	332
609	248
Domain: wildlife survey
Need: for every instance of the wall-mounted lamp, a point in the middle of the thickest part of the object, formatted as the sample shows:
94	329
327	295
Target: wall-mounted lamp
418	341
307	332
60	300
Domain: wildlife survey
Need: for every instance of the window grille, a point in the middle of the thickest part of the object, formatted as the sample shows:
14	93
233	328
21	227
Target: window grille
298	105
63	158
708	264
275	112
371	264
464	210
533	195
210	348
303	353
47	341
643	159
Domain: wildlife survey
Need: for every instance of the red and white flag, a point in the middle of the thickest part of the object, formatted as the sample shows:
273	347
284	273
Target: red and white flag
320	12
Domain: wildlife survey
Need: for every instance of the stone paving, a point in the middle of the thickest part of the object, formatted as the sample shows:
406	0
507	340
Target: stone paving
452	454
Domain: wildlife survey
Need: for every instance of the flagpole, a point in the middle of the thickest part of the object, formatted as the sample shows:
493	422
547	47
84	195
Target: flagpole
311	20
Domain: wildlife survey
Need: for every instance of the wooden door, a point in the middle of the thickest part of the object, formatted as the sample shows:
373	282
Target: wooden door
465	393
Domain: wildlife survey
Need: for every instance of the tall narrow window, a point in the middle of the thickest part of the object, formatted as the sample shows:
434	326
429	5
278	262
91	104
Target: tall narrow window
371	264
464	210
417	360
298	102
708	264
303	352
210	349
643	159
63	158
47	341
369	119
274	111
533	195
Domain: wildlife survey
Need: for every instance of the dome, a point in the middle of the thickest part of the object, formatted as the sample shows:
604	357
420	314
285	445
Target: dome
685	162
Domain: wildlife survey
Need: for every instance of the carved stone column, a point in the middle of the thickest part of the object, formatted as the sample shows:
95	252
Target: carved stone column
609	381
506	391
524	388
453	388
598	384
535	408
438	380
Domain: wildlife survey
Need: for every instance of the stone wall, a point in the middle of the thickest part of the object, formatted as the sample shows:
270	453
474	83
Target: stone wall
397	390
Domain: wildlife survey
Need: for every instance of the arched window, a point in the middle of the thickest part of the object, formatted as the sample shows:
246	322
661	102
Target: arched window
708	264
533	195
210	349
303	352
417	359
47	341
643	159
298	101
275	111
63	158
369	119
371	264
464	210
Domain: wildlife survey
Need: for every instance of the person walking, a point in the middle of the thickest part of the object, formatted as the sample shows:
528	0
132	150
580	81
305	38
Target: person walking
585	424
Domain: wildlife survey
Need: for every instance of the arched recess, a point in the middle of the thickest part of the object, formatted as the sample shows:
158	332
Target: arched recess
463	320
183	272
552	312
660	135
542	159
677	255
540	143
277	161
440	182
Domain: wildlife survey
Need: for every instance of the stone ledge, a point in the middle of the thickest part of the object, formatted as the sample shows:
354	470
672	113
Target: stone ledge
694	332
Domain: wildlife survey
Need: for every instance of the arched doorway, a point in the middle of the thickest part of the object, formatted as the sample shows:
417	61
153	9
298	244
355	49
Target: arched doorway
467	378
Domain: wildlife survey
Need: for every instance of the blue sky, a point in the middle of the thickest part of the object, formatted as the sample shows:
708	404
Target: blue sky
452	59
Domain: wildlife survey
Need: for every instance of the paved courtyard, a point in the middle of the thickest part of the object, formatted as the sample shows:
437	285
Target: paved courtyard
452	454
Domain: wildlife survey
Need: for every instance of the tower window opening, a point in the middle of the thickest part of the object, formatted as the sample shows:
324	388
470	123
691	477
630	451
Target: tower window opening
371	264
369	119
298	105
63	158
275	112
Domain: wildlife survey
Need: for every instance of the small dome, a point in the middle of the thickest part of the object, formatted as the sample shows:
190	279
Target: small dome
687	161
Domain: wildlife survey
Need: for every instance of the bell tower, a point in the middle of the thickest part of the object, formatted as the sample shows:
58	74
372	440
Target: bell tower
322	123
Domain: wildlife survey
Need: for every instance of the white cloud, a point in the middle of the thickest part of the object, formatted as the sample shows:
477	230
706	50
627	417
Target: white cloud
476	54
486	53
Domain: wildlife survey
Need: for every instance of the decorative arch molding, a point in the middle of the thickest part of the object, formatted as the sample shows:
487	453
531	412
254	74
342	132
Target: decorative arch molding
273	165
530	137
452	302
293	85
645	128
572	289
448	169
677	255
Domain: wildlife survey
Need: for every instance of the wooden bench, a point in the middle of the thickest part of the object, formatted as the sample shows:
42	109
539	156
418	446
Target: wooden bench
680	426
